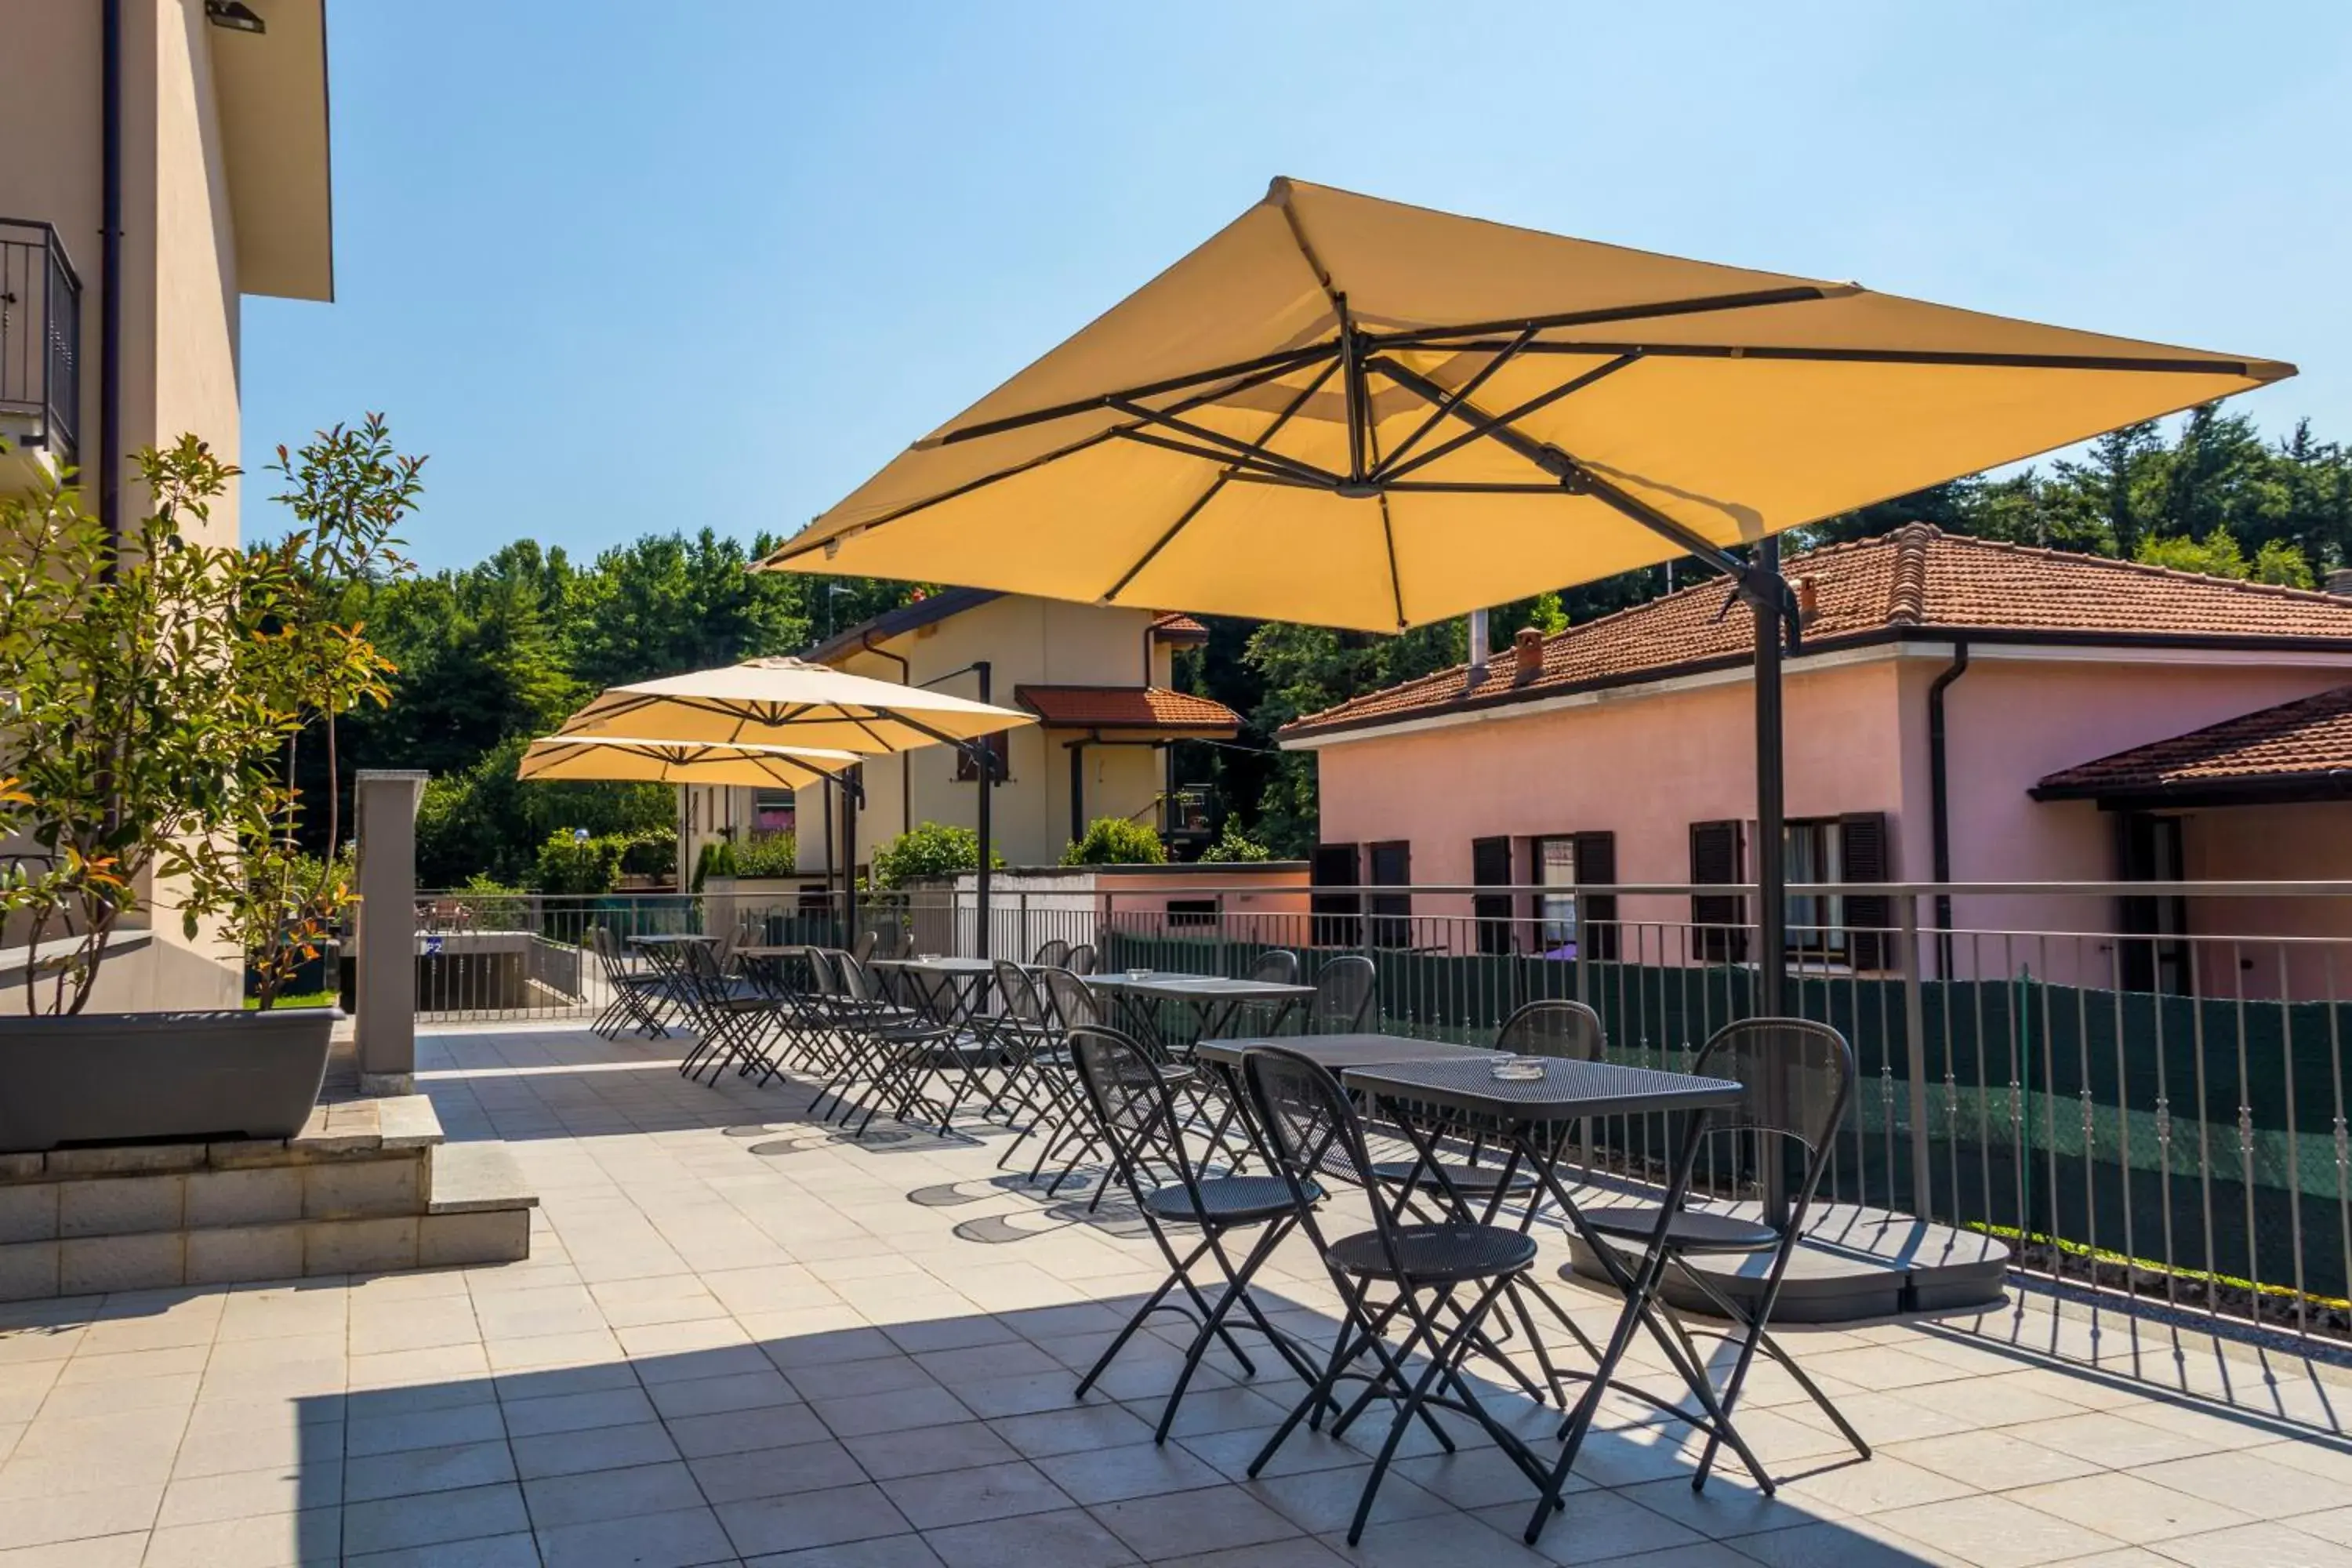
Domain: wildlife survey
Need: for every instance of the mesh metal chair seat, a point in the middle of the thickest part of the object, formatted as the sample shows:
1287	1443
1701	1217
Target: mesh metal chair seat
1230	1200
1433	1254
1054	954
1082	958
1345	993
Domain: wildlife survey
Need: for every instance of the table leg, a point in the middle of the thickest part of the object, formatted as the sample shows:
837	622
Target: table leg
1642	1286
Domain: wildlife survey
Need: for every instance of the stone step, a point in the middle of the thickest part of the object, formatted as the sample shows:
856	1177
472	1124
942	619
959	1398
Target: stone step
474	1178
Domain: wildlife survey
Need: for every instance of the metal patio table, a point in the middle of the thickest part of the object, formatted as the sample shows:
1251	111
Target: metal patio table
1429	1097
1214	999
971	979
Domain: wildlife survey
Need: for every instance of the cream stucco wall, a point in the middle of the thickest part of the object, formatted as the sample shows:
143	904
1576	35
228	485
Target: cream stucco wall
180	295
1028	642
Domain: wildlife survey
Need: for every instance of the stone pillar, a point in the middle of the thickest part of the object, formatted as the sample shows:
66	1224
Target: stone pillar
385	809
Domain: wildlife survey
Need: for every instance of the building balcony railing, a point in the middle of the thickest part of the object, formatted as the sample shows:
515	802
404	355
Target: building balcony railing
40	341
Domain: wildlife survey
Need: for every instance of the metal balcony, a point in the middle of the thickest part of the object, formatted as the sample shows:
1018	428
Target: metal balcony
40	343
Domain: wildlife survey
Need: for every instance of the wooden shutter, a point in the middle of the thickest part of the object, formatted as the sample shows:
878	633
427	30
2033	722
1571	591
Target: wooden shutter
1391	867
1863	853
1000	745
1490	866
1596	913
1335	922
1717	853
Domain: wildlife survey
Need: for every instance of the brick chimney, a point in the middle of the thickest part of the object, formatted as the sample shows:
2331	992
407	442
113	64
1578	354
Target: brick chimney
2339	582
1527	655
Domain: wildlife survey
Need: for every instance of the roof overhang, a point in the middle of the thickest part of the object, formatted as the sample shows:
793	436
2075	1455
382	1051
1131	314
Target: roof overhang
2190	794
270	89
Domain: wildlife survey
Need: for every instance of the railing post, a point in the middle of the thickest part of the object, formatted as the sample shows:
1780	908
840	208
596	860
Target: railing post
1914	1036
384	804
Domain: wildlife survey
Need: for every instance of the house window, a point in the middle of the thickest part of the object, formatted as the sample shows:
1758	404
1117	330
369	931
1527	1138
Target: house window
1718	852
1816	920
772	811
1337	915
1571	923
1555	869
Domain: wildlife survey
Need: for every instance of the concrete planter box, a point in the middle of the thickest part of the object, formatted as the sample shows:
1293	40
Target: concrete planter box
125	1078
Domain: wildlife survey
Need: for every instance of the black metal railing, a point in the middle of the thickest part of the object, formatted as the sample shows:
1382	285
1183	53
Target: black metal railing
40	339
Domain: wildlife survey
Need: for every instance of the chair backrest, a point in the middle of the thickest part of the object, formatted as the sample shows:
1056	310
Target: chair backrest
1343	995
1553	1028
1082	960
1277	967
824	977
1312	1128
887	935
1055	954
1075	1003
863	949
1798	1077
1135	1110
1018	993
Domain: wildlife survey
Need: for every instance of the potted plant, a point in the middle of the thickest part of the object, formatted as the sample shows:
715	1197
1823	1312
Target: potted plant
154	693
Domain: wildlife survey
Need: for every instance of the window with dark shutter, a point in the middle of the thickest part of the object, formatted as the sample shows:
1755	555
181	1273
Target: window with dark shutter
1391	867
1863	853
1720	919
1596	865
1334	922
1490	866
999	743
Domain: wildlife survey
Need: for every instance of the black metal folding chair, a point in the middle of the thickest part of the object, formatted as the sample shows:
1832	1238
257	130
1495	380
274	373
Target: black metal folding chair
1083	959
1345	990
1054	954
1142	1125
1798	1077
640	998
1444	1280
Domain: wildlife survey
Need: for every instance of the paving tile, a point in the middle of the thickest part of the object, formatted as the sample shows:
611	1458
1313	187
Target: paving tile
893	1412
2257	1546
969	1496
368	1434
1995	1531
610	1494
518	1550
733	1431
1068	1431
886	1551
708	1396
596	1448
122	1550
814	1519
78	1516
578	1411
280	1489
1066	1539
265	1541
449	1467
1163	1526
2242	1479
673	1540
775	1472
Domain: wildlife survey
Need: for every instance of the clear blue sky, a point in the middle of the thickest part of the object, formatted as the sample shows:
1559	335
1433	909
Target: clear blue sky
622	268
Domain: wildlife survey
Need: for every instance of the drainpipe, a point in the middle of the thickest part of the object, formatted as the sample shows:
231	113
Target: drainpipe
1077	790
1147	653
1939	803
109	286
905	759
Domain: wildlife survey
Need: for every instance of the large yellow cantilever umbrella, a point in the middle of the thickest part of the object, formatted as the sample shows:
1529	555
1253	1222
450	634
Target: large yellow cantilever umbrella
790	703
628	759
1361	414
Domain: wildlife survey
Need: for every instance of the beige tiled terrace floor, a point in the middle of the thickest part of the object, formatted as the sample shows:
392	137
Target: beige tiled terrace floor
739	1340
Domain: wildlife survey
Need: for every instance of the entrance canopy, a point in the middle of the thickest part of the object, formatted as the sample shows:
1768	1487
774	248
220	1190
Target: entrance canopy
1356	413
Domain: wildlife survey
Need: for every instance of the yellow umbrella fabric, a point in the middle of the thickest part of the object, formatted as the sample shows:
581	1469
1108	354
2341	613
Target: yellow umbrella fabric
789	702
629	760
1361	414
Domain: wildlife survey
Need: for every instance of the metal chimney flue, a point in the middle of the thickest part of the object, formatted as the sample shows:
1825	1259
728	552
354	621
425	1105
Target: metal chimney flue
1478	650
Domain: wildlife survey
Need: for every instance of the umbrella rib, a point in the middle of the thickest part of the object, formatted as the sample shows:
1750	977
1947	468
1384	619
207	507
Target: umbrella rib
1289	359
1488	423
1958	358
1269	471
1252	452
1705	304
1271	431
1469	389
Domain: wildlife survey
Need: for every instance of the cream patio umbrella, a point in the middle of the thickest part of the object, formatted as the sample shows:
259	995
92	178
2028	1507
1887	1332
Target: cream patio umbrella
792	704
1357	413
627	759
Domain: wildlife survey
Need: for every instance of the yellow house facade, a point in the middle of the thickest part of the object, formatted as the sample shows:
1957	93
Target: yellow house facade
196	135
1098	679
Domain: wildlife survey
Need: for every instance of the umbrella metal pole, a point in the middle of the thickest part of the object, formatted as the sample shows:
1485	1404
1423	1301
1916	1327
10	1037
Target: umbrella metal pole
852	790
1772	861
987	773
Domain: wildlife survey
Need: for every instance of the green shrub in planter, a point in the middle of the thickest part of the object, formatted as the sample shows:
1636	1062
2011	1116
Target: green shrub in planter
1117	841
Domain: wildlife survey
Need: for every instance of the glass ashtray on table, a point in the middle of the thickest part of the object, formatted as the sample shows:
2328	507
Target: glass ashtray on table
1512	1068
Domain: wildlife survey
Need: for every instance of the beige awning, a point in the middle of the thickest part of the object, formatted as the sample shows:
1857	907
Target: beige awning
628	760
1361	414
789	702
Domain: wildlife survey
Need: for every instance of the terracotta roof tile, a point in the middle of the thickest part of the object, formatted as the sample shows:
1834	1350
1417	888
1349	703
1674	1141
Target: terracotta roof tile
2308	738
1124	707
1175	626
1915	578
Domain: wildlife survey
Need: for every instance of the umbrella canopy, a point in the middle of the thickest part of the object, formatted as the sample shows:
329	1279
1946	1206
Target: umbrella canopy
616	758
789	702
1361	414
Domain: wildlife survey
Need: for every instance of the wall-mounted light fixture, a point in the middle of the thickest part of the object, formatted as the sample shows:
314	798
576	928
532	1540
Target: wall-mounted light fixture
234	15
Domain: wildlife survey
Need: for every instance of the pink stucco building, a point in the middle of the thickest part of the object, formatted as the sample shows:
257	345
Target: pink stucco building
1964	710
